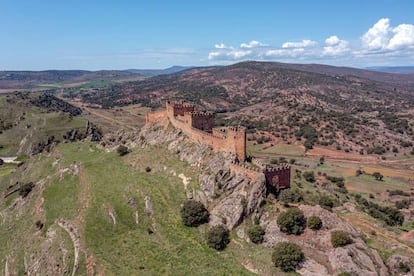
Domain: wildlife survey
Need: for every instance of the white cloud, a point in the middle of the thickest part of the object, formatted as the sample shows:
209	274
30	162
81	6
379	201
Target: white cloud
220	46
403	37
302	44
384	38
252	44
335	46
377	37
381	44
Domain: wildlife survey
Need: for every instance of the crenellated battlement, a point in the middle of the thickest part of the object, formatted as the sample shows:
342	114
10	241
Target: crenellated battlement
199	126
200	113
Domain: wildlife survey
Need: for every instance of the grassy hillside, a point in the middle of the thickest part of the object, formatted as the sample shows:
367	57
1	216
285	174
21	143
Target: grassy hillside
29	119
121	238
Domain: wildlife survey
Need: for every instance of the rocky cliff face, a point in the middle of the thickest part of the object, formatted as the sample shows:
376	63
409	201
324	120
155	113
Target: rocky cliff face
229	196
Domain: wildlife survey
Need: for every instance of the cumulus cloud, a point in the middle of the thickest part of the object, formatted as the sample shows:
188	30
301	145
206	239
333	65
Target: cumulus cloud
302	44
231	53
335	46
220	46
403	37
252	44
380	40
383	37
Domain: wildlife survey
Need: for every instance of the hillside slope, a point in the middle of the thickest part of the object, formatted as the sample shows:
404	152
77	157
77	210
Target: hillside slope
320	105
90	210
32	79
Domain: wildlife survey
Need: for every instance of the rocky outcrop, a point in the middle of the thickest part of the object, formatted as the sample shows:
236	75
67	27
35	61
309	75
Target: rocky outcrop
356	258
229	196
400	265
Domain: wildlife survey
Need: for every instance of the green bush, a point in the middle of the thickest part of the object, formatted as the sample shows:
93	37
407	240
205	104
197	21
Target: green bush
326	202
218	237
122	150
287	256
26	189
309	176
256	233
314	223
288	196
193	213
344	274
340	238
292	221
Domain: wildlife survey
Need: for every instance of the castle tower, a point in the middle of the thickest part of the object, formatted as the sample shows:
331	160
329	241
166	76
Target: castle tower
237	136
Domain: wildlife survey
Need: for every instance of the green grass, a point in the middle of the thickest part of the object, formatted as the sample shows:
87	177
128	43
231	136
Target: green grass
368	184
125	247
61	198
97	84
43	125
280	149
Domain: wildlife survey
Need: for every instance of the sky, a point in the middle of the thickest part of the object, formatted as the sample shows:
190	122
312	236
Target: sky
94	35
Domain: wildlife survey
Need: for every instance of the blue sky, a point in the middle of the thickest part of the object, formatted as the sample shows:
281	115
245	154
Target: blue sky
45	34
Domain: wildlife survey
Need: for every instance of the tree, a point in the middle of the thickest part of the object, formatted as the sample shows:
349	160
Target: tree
340	238
309	176
291	221
218	237
122	150
256	233
287	256
314	223
378	176
288	196
193	213
326	202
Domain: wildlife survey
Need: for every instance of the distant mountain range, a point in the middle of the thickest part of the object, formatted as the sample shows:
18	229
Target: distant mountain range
156	72
33	79
393	69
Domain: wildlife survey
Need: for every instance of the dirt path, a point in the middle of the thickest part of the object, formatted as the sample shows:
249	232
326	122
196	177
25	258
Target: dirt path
74	236
360	222
96	113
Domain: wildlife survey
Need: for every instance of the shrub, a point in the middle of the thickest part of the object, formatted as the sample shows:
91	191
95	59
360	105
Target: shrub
398	192
344	274
403	267
309	176
26	189
378	176
218	237
256	233
340	238
314	223
193	213
403	204
326	202
288	195
148	169
287	256
122	150
292	221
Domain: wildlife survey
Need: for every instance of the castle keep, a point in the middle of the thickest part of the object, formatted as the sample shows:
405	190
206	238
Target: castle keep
199	126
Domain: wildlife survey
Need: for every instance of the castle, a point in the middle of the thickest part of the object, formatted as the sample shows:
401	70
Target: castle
199	126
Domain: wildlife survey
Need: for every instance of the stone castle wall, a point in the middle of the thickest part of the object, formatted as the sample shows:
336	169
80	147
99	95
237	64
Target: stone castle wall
199	126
